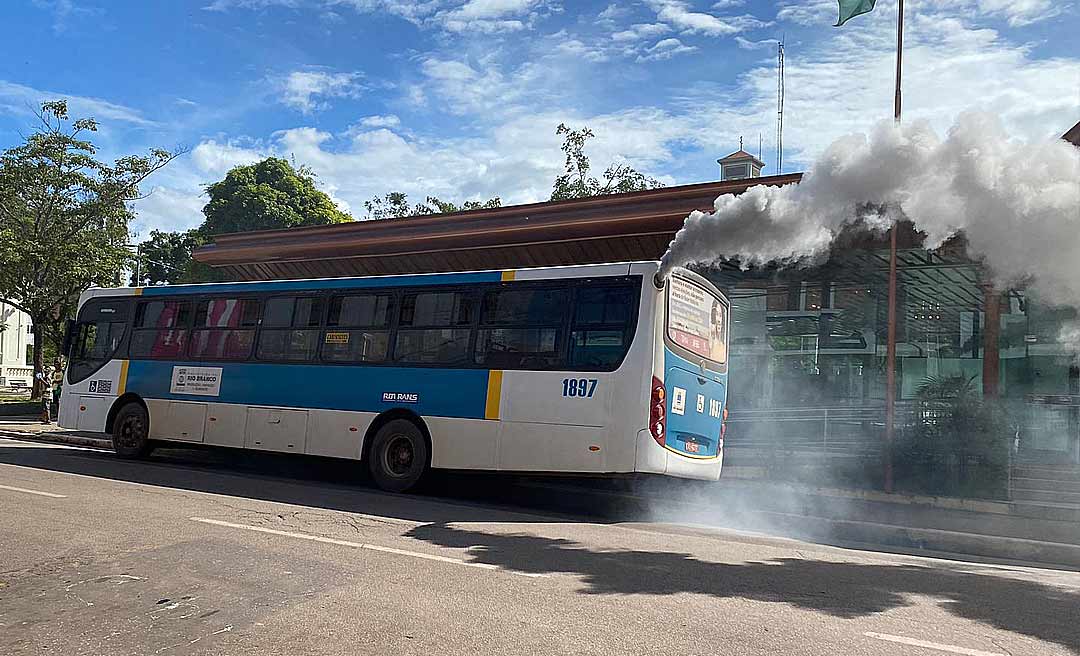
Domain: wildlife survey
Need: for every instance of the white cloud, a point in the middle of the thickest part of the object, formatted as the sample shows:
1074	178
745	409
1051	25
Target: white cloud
22	100
641	31
747	44
63	11
213	159
610	14
680	16
665	49
387	121
467	89
1021	12
168	208
306	91
490	16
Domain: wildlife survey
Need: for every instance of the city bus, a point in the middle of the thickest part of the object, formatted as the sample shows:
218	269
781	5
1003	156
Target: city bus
599	369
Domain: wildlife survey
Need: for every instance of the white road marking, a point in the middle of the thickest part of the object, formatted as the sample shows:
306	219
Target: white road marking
37	492
361	545
952	649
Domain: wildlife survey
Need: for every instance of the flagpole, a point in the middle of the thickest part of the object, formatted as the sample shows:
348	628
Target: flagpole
899	59
890	344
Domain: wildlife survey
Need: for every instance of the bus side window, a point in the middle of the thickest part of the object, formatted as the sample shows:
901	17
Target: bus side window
290	329
358	328
225	328
161	329
435	327
600	335
522	328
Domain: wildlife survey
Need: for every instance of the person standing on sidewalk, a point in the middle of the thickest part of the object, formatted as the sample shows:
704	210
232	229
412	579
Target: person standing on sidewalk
57	384
46	379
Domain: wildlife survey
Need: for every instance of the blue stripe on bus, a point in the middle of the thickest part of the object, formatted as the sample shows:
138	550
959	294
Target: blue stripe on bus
700	427
327	283
458	393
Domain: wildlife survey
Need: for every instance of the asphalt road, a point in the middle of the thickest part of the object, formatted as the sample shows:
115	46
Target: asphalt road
212	553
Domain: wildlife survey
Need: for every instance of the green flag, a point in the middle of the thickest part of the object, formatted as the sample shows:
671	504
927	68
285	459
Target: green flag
852	8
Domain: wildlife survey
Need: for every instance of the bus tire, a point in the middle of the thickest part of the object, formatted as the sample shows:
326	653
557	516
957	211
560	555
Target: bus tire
399	456
131	432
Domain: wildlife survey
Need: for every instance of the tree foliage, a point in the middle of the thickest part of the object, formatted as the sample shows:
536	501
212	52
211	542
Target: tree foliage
576	181
395	205
165	258
64	218
267	195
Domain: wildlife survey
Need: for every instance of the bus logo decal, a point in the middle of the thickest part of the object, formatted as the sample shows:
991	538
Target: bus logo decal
400	397
199	381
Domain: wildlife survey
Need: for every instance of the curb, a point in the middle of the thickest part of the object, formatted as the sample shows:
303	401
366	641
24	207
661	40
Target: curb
839	531
754	476
847	532
58	438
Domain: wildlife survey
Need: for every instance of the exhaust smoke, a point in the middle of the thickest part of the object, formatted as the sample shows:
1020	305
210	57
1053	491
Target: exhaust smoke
1017	203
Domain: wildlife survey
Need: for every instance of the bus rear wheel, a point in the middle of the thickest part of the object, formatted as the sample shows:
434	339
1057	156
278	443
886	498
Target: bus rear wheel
399	456
131	432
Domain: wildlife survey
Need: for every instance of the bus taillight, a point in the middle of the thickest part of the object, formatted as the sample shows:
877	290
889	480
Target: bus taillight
723	425
657	411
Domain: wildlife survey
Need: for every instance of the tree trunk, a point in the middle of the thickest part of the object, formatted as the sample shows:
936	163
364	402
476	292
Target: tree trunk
39	353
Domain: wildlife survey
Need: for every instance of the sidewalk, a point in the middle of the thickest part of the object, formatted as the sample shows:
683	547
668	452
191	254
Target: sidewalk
31	428
1040	533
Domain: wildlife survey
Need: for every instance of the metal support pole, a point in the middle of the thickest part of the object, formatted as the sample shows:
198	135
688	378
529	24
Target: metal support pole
899	59
991	360
890	364
890	345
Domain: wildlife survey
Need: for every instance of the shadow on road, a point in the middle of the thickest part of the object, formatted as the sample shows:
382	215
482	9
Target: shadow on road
298	480
841	589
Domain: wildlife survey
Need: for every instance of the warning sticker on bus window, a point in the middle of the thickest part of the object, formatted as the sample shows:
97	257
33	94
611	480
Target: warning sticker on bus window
337	338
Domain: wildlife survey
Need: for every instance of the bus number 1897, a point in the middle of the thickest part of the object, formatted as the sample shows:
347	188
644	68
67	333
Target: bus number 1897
578	387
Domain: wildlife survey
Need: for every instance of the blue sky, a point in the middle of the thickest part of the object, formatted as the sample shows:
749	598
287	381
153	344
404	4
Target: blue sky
460	98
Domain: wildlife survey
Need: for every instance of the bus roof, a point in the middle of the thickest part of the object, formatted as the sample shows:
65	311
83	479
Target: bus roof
454	278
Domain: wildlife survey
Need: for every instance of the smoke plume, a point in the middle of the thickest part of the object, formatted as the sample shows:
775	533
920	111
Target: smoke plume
1017	203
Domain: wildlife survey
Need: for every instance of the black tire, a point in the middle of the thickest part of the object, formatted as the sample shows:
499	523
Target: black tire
399	456
131	432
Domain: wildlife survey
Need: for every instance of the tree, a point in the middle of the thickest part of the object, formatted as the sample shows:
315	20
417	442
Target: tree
64	219
165	258
395	205
267	195
576	181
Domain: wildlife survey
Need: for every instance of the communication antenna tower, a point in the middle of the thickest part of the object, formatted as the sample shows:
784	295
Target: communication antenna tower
780	106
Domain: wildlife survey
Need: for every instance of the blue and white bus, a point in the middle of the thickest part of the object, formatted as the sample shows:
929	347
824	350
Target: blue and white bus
597	369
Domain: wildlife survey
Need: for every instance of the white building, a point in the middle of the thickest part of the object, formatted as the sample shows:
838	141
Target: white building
16	346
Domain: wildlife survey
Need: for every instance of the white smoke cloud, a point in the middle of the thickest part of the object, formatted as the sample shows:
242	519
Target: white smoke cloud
1018	203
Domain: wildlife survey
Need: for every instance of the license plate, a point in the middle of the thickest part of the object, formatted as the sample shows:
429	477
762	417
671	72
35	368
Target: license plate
692	447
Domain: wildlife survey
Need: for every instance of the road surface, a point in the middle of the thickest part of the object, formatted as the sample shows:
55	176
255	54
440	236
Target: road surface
211	553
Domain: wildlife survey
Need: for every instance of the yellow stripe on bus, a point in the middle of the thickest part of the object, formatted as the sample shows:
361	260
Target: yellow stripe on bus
122	387
507	276
494	395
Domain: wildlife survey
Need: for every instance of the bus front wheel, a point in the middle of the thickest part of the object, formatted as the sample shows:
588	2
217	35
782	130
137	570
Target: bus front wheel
131	432
399	455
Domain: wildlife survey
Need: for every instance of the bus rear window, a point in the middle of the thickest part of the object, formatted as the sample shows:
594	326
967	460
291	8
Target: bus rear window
697	320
